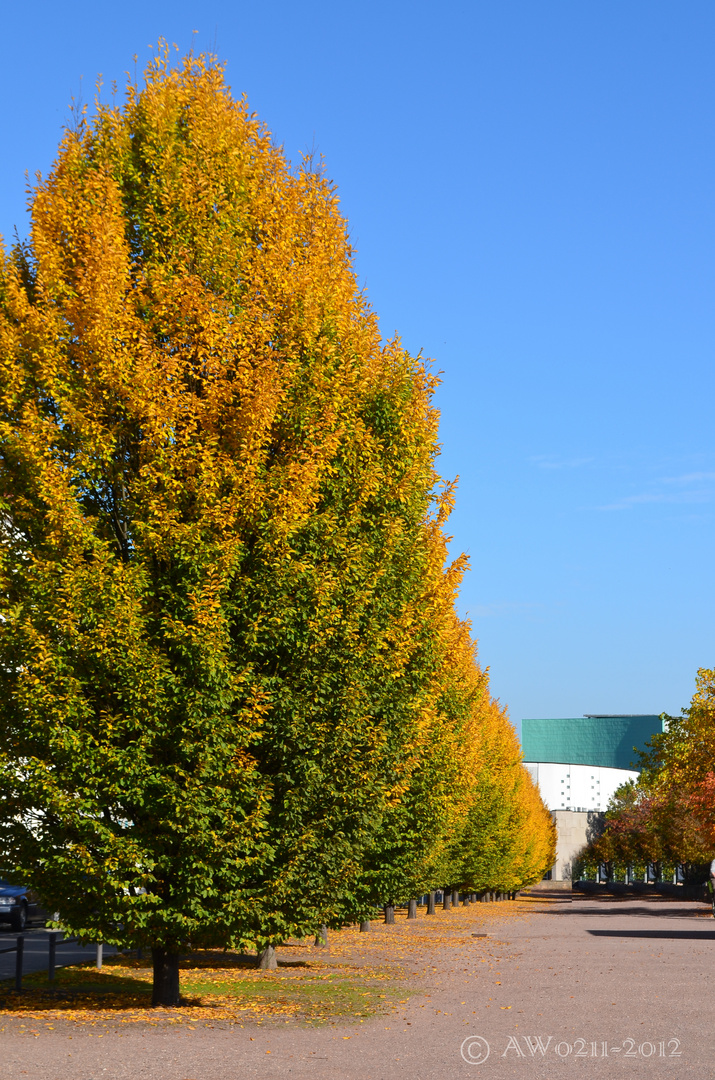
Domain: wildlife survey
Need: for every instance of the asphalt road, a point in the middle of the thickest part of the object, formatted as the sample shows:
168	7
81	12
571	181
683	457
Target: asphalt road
36	953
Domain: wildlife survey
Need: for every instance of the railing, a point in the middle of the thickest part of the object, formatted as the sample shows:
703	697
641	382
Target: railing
19	949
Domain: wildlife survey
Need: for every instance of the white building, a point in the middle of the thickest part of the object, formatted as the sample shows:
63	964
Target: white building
578	763
568	786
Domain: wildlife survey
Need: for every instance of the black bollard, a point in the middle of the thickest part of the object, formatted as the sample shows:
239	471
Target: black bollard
51	956
20	949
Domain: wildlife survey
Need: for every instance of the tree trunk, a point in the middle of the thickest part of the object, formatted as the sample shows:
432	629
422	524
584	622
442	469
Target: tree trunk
364	926
412	909
466	900
455	897
430	904
447	901
267	959
321	938
389	914
165	989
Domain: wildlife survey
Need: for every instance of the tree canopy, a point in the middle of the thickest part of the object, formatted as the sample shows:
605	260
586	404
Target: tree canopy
668	815
236	700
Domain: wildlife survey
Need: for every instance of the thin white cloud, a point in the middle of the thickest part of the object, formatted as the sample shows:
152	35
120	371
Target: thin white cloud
543	461
490	611
691	487
689	478
629	501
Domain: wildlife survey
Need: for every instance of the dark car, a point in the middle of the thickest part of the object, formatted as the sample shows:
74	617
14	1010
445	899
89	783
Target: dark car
19	906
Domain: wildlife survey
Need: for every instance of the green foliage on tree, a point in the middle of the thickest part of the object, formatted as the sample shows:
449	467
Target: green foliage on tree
235	701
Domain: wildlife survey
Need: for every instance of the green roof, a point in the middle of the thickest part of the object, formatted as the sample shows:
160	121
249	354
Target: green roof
605	741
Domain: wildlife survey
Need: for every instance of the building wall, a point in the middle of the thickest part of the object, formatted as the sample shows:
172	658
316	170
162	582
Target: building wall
573	830
577	787
608	741
578	763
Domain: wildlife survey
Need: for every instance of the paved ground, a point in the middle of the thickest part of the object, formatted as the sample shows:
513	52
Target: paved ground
36	953
588	988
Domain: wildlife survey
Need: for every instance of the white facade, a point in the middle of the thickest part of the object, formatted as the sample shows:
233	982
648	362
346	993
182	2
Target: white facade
577	787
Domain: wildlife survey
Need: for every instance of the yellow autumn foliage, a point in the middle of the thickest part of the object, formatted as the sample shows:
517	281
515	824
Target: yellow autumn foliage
233	681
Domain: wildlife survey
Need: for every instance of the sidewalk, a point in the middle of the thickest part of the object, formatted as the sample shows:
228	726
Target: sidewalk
586	988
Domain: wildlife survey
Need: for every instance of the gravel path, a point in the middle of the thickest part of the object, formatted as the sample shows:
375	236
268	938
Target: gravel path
606	988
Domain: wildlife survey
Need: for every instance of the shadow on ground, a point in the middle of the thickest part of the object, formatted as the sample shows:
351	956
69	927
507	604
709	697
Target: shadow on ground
657	911
684	935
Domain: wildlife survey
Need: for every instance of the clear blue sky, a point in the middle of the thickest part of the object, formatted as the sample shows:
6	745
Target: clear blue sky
530	190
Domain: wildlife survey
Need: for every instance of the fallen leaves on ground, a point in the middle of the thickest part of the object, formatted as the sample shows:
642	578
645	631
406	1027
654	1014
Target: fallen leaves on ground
358	975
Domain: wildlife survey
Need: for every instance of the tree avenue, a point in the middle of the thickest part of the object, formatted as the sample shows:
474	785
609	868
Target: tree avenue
236	702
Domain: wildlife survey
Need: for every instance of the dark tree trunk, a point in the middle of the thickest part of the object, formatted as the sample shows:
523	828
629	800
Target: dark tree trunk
165	990
466	900
267	959
364	926
430	904
447	901
321	938
389	914
412	909
455	898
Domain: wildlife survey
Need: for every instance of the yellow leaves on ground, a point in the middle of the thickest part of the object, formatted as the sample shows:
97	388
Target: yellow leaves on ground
362	974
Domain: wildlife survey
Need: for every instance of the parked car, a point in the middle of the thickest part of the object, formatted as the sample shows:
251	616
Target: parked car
19	906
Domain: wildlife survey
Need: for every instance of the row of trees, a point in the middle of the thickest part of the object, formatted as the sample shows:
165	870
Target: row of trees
236	700
668	816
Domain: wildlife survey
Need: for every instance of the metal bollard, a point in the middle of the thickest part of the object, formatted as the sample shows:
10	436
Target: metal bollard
52	955
20	949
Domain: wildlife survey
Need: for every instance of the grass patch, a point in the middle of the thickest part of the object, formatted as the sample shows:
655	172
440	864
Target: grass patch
214	986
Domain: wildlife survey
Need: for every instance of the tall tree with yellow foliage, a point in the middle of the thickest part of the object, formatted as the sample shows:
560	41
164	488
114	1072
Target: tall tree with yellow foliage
220	560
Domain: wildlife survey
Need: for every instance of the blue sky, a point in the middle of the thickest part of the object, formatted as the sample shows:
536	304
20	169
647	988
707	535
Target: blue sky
529	188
